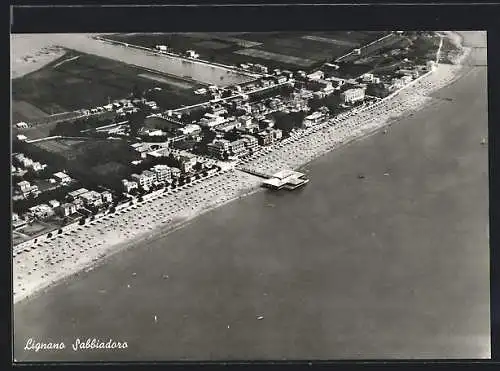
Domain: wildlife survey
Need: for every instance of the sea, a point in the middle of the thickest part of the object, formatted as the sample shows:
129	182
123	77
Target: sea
393	264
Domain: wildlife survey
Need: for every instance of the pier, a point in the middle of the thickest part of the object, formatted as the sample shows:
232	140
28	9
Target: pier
286	179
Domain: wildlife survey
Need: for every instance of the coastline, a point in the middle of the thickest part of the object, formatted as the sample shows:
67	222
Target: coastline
211	194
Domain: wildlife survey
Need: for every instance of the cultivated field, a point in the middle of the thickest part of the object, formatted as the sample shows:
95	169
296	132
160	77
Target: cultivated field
79	81
291	50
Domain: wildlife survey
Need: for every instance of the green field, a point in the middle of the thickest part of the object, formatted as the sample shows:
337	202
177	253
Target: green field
80	81
293	50
92	161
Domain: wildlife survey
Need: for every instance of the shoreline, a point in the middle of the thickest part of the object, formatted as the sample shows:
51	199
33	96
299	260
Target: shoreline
31	52
233	185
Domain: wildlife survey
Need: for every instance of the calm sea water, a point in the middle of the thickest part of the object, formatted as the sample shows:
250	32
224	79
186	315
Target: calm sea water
395	265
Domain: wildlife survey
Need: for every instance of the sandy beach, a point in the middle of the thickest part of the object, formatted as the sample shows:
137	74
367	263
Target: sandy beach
84	247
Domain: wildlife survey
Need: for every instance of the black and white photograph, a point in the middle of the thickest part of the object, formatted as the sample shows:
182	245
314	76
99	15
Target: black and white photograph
218	196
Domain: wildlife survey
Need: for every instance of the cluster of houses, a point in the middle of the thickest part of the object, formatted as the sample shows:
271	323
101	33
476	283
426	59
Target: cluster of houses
225	149
270	80
259	68
188	53
122	107
25	189
25	164
161	175
80	200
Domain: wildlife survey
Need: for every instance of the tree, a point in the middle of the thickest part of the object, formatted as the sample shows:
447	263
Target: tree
60	231
136	122
49	235
136	92
82	221
226	94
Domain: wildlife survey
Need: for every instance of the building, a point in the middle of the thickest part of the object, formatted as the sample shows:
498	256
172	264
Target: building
145	179
107	197
260	68
431	65
128	185
141	148
245	120
201	91
277	134
412	73
218	148
313	119
75	194
238	147
33	190
91	198
280	79
319	94
151	133
211	120
24	186
175	172
305	94
318	75
62	178
192	54
406	79
23	160
66	209
218	110
187	163
36	166
397	83
251	142
228	126
54	204
250	129
206	163
352	95
163	173
265	138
